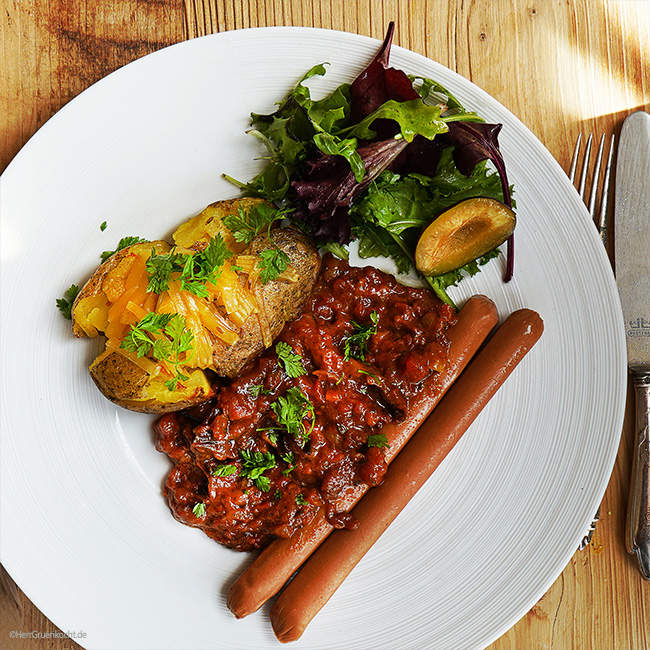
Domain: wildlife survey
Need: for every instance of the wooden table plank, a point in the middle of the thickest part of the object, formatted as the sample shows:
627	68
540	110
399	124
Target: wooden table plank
54	49
562	67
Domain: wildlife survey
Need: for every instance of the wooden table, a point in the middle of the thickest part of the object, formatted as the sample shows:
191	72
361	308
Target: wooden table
561	66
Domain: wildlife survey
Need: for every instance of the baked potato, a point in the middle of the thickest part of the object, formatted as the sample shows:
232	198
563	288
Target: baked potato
165	341
280	301
195	233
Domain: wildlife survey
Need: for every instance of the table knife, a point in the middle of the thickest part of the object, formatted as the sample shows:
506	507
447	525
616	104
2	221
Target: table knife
632	255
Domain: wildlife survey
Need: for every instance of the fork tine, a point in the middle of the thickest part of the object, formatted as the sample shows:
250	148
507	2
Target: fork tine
603	215
574	159
582	188
593	194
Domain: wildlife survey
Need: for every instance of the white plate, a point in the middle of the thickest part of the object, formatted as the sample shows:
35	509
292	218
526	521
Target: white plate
85	531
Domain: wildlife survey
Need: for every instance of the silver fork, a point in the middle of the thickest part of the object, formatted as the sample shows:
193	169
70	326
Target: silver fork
598	206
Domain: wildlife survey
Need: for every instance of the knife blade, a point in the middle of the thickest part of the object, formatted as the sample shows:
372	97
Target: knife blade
632	255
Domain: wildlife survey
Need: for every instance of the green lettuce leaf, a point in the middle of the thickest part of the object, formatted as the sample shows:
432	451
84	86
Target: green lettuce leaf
396	203
375	241
413	117
334	146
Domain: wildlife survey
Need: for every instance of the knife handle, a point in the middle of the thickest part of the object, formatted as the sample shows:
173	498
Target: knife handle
638	519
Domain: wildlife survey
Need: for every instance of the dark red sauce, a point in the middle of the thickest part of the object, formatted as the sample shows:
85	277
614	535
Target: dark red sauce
349	401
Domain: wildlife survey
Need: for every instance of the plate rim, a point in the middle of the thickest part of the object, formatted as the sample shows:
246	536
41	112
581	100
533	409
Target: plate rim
52	122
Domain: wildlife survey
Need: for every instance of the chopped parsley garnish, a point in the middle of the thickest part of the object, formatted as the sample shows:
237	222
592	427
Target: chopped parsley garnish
199	510
247	224
272	436
289	460
263	483
102	226
160	269
355	346
364	372
65	304
195	269
289	361
273	262
224	470
301	501
257	389
377	440
291	412
123	243
254	464
277	494
164	337
204	266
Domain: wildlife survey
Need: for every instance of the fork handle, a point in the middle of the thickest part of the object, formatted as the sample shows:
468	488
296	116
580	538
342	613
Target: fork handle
638	519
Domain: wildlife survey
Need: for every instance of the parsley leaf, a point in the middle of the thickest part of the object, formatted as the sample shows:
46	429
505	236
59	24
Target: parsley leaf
164	337
199	510
102	226
263	483
355	346
140	341
123	243
254	464
273	262
301	501
291	411
182	341
247	224
196	269
65	304
377	440
160	269
224	470
258	389
289	460
289	360
212	257
204	266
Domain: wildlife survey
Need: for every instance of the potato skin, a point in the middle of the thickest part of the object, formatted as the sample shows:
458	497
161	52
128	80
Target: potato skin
118	377
126	384
282	301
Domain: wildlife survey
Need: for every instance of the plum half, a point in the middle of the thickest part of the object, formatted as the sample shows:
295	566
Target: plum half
463	233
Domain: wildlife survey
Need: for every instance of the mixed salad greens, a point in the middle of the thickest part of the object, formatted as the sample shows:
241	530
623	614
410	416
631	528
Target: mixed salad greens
377	160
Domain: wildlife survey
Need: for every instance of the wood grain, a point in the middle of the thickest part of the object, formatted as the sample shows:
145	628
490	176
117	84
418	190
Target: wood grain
54	49
561	66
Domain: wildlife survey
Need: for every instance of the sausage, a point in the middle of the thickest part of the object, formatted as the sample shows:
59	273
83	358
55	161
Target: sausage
278	561
326	569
